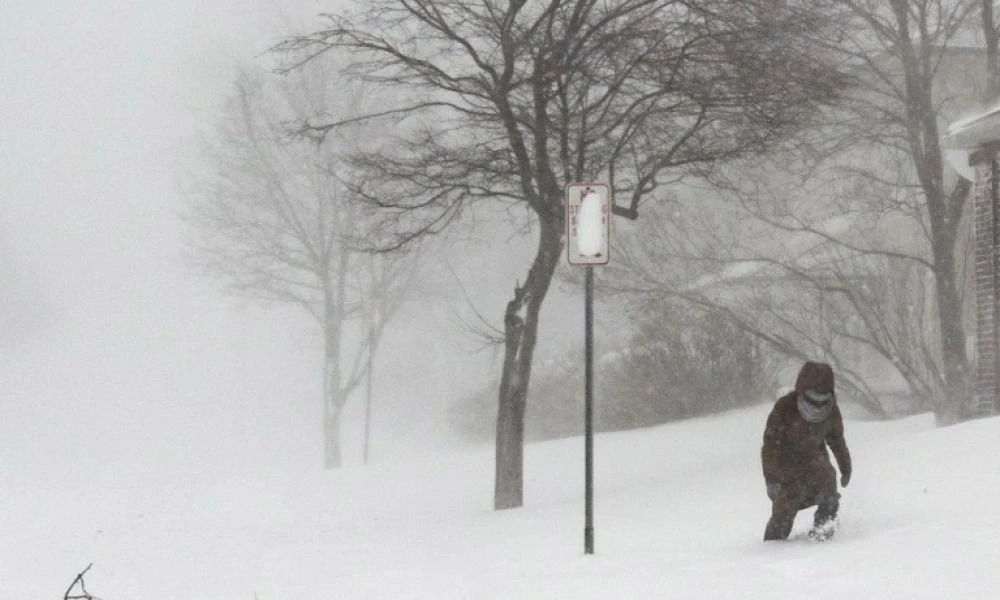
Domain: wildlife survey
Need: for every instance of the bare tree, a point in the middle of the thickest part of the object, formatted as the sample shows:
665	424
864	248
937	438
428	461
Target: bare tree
903	44
991	38
714	257
510	101
869	313
907	53
867	218
276	224
870	264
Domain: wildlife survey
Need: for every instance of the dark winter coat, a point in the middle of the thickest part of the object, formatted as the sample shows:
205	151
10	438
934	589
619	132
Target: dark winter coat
794	453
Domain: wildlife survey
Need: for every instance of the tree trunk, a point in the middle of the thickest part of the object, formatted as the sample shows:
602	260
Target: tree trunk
992	52
944	211
368	391
334	294
331	436
520	336
953	399
331	400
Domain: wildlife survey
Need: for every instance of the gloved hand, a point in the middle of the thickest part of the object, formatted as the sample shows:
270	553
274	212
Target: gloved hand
772	491
845	478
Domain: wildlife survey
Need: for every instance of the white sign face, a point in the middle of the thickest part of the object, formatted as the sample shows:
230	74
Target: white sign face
588	223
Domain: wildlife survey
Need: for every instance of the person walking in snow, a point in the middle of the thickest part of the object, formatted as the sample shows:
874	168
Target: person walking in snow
797	468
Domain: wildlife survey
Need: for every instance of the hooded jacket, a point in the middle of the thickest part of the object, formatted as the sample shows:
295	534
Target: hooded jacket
794	449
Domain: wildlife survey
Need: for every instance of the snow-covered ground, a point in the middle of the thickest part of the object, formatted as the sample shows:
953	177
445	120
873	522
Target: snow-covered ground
680	511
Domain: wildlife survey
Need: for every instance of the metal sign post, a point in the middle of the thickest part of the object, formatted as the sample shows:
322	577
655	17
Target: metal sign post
588	413
588	229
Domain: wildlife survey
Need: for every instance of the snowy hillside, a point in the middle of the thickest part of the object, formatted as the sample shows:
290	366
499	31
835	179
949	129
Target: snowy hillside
680	511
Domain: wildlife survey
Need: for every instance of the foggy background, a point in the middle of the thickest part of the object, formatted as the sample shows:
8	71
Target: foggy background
116	357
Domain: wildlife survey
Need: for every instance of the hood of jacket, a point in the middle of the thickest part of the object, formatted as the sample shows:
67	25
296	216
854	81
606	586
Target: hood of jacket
814	376
814	390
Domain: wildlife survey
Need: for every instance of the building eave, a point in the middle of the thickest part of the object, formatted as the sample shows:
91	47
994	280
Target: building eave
974	132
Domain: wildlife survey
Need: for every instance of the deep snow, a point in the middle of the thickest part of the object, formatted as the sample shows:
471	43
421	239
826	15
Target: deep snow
680	511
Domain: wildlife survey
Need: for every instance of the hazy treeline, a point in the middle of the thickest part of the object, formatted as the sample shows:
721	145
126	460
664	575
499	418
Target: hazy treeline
680	362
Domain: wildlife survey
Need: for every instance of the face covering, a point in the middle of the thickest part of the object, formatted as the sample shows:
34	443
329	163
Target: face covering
817	397
814	406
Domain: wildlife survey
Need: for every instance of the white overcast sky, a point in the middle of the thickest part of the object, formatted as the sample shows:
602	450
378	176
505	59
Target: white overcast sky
100	101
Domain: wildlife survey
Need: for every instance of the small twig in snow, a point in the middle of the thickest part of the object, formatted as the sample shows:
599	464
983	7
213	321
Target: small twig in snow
84	594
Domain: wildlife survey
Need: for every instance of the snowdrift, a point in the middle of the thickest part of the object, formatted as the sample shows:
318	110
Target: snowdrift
680	511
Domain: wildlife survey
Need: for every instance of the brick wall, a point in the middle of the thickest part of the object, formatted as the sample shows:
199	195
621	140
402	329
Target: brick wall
987	236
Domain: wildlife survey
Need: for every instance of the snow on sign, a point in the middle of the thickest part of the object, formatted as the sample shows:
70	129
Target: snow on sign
588	223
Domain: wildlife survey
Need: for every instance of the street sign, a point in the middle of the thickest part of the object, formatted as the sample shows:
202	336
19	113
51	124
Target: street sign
588	223
588	238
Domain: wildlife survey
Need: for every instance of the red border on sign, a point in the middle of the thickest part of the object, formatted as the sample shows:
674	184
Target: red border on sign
607	224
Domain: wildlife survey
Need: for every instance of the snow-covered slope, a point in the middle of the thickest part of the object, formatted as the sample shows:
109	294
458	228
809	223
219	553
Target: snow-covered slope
680	511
